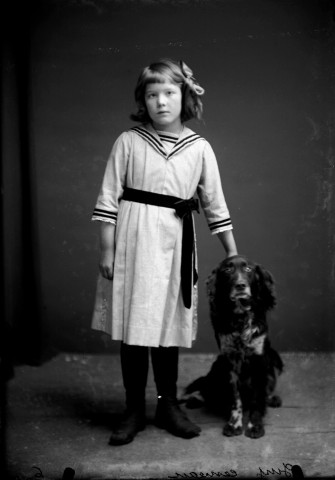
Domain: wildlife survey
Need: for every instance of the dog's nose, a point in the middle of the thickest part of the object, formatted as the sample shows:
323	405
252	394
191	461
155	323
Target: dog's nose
241	286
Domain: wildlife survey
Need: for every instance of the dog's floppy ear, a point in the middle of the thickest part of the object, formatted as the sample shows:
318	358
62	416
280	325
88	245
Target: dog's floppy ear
265	287
216	299
215	287
211	285
211	292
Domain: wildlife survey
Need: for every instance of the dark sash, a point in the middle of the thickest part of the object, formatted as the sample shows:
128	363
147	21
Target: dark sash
183	209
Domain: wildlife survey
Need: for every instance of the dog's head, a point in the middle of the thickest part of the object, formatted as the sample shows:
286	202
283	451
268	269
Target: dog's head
242	285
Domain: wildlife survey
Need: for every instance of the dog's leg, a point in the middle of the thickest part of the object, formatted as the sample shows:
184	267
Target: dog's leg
235	422
275	368
256	397
234	425
272	400
255	427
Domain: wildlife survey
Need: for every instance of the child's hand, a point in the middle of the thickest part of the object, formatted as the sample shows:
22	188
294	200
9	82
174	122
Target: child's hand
106	265
107	245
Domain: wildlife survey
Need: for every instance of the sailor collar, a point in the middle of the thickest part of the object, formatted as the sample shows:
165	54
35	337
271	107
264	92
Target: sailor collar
187	138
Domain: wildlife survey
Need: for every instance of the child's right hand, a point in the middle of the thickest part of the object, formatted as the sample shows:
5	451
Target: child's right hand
107	245
106	265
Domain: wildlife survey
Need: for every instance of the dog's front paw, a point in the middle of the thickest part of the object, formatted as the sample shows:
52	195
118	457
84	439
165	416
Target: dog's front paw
254	431
230	430
274	401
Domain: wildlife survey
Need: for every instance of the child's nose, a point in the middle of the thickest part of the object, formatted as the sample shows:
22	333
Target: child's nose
161	100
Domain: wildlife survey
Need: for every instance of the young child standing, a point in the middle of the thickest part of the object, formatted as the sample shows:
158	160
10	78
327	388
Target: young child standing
146	292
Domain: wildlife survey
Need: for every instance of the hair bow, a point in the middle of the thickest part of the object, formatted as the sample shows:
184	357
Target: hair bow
190	80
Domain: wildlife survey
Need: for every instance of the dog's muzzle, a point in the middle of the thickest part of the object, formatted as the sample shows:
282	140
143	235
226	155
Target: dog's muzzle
242	302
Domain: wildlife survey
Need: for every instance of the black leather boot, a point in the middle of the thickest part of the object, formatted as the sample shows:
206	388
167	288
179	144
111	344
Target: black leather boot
134	364
170	417
132	422
168	414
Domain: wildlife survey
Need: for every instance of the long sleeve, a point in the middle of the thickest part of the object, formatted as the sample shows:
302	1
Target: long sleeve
107	205
211	195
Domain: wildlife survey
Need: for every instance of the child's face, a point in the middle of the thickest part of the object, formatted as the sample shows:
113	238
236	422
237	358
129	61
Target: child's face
164	104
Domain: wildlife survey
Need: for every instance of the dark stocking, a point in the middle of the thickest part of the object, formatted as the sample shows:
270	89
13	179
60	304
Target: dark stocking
134	365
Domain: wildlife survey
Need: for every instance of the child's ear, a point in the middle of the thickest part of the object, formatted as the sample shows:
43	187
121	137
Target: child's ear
265	287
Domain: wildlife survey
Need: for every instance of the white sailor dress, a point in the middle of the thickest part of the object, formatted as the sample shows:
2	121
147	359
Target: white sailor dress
143	304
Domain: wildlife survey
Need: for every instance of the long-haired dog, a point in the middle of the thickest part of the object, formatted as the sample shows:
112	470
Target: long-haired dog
241	382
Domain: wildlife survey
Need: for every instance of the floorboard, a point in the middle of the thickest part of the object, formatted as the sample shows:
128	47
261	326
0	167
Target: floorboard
59	415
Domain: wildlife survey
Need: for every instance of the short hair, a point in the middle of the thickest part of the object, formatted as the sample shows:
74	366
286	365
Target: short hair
175	72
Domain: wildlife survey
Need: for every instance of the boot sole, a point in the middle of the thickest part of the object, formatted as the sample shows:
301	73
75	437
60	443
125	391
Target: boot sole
115	442
177	433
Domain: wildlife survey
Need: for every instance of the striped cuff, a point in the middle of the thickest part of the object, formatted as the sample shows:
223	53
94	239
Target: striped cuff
104	215
222	224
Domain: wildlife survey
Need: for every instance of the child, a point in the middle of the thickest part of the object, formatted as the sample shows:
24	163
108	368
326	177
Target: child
146	293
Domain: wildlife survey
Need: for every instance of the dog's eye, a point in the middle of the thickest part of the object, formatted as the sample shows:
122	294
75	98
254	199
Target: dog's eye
247	269
228	270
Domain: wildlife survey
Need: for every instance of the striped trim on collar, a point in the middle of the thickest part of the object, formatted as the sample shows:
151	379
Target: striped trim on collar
168	137
150	138
156	143
185	142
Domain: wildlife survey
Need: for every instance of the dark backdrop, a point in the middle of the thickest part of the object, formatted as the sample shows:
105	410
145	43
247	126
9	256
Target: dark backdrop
268	71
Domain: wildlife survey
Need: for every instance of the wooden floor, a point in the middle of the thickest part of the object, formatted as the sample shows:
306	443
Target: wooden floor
59	415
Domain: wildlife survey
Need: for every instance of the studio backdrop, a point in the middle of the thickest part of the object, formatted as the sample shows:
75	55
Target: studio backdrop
268	71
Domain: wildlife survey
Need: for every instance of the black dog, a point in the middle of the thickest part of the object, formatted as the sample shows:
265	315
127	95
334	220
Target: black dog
243	377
